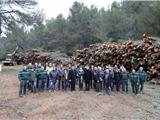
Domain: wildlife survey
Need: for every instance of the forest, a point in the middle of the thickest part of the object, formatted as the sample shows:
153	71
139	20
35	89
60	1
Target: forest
82	27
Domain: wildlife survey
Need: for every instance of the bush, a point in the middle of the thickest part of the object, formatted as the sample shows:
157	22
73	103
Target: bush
2	55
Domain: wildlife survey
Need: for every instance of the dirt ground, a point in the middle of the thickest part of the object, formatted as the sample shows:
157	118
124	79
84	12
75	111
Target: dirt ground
79	105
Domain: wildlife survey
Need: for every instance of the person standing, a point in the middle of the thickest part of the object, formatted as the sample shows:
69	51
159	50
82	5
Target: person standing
87	77
53	77
33	80
80	77
125	76
48	70
142	78
108	81
64	79
60	70
95	78
72	78
42	79
23	77
117	78
134	79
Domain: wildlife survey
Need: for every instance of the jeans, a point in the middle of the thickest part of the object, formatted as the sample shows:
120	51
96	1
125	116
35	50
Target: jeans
64	84
141	86
125	85
135	87
52	85
23	86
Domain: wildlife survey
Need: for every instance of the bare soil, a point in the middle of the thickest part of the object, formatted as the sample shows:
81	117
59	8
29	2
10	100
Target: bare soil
78	105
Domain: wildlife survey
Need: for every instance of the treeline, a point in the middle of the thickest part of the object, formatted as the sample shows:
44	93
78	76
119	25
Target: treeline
87	25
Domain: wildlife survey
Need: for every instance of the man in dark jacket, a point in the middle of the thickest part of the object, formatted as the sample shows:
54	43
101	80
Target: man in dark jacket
117	78
87	77
72	77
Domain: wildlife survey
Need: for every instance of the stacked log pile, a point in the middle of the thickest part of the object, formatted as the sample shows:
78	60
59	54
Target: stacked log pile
38	56
129	54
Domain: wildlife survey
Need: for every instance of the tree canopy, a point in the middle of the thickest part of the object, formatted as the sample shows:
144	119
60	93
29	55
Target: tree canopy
83	26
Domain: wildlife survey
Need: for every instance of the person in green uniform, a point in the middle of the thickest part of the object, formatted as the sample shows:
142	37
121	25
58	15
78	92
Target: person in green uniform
37	70
134	79
124	79
42	79
23	76
142	78
33	80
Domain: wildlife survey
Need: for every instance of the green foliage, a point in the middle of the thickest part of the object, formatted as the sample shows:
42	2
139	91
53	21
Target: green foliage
85	26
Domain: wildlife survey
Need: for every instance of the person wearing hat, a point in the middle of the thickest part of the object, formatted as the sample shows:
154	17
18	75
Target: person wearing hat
87	77
134	79
23	76
142	78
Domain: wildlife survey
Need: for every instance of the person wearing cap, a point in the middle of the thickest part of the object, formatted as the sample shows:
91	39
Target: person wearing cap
134	79
42	79
87	77
142	78
124	79
23	76
72	75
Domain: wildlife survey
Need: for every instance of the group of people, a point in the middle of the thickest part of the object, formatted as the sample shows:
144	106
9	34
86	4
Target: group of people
37	78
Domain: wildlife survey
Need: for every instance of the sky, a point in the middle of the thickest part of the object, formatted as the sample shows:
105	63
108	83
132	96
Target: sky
54	7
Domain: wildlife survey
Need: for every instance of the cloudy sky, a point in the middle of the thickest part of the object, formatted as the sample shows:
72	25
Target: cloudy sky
54	7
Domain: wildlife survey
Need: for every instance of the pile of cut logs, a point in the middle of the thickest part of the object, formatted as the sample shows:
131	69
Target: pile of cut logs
38	56
129	54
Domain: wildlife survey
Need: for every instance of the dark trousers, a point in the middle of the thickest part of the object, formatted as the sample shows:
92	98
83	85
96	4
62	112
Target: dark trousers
73	82
98	86
135	87
91	84
87	85
23	86
117	84
33	86
47	83
59	83
125	85
108	87
64	84
80	83
94	84
141	84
